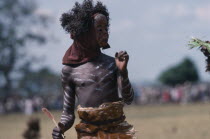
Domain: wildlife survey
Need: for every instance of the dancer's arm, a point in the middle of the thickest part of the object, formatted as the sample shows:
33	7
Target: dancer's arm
124	84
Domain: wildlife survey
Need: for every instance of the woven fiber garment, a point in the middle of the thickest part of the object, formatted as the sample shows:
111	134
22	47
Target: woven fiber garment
105	122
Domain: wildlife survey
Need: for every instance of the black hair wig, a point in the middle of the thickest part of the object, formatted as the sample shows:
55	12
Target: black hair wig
80	18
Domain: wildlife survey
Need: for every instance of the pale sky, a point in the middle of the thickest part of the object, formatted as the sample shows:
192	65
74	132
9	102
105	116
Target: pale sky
154	33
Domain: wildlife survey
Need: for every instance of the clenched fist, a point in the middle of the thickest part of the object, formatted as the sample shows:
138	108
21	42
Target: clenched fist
121	59
58	132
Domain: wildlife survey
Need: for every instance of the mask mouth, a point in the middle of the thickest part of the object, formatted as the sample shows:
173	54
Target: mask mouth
105	40
104	43
106	46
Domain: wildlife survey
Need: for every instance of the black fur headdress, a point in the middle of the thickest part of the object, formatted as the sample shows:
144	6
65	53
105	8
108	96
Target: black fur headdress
79	19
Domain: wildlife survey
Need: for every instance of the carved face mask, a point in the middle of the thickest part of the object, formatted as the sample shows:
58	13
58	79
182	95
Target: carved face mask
101	30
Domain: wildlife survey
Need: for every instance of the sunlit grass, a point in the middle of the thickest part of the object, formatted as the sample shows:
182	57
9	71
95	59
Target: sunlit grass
151	122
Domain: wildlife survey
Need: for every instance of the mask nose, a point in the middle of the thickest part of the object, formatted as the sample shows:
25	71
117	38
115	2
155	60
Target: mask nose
106	35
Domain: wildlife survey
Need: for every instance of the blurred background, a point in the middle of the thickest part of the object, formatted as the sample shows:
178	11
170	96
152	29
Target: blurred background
172	89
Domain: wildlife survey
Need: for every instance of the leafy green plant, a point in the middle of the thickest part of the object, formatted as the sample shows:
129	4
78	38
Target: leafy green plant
195	42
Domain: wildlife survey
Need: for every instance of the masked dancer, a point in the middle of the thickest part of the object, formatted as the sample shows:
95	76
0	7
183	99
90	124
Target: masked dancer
98	81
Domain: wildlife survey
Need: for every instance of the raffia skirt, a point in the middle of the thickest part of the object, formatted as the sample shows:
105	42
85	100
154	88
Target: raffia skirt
105	122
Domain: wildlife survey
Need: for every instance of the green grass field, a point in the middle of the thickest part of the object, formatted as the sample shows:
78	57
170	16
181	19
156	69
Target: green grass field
151	122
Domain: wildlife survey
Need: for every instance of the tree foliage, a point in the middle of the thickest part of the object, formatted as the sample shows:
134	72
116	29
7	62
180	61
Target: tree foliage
41	82
18	20
178	74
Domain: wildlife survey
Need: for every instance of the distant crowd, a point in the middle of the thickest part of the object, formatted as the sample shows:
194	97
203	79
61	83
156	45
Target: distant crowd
148	94
29	105
185	93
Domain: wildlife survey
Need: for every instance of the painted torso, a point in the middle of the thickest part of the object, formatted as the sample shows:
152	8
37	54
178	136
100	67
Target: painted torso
95	82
